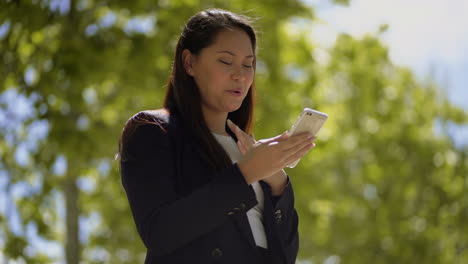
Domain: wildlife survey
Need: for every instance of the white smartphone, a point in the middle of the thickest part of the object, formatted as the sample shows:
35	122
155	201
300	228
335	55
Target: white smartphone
309	121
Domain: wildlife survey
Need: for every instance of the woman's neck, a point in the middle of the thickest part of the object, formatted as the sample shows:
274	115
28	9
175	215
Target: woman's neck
216	121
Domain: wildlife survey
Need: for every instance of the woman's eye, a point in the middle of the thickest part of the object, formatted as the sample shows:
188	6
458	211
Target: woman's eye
225	62
230	63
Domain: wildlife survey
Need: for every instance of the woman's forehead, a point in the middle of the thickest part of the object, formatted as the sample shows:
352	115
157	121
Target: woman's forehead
234	42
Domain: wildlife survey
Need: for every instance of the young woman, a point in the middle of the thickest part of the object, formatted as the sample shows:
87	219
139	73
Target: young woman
201	189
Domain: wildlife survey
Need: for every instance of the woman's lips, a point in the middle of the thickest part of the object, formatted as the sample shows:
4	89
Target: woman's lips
235	92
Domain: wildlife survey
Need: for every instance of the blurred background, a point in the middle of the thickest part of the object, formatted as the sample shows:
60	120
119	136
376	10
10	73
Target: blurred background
387	182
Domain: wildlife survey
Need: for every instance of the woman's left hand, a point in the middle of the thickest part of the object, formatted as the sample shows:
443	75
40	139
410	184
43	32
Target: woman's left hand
245	142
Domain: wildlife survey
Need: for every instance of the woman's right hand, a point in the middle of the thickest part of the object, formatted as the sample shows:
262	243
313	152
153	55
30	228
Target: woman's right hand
268	156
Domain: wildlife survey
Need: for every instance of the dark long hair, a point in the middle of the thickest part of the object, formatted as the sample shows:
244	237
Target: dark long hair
183	96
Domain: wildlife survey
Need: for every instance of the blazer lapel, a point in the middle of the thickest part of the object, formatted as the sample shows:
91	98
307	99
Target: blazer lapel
186	148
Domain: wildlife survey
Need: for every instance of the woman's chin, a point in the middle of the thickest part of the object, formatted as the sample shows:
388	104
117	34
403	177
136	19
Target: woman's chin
233	108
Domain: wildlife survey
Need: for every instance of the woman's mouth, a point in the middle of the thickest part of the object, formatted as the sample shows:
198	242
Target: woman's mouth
235	92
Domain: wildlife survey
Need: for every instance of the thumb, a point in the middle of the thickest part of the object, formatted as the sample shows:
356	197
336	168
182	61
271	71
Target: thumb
283	136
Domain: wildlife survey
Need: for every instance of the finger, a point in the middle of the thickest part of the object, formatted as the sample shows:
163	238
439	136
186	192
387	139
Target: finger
299	154
299	145
240	134
241	148
235	129
248	141
298	149
295	142
282	137
275	141
232	126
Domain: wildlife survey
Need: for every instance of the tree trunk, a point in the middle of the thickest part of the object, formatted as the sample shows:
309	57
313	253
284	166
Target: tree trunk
72	244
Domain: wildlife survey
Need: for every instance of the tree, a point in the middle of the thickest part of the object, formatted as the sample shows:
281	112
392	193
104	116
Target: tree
381	186
86	66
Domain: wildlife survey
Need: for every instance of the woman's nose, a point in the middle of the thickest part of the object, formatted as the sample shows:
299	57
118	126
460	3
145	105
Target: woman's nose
238	74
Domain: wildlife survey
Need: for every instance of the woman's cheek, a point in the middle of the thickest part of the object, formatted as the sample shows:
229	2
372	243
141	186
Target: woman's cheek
250	78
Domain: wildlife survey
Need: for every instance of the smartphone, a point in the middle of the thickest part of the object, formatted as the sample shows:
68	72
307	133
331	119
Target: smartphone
309	121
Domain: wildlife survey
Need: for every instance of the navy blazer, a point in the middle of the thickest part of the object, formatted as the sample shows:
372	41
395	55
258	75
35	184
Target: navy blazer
187	213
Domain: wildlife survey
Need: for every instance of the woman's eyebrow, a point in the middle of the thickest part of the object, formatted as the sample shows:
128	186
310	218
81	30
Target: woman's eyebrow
233	54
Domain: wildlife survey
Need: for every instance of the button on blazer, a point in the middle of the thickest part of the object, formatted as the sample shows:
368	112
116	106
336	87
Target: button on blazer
185	212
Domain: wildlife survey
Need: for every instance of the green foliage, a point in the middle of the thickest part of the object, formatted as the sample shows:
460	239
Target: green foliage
342	2
380	187
15	245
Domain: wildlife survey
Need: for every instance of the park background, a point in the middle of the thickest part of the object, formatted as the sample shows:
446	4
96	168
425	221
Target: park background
387	182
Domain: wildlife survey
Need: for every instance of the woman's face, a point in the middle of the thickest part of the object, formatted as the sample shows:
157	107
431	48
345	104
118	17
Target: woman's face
223	71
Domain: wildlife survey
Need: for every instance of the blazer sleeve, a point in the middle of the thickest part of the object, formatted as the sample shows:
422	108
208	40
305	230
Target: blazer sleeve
282	222
165	220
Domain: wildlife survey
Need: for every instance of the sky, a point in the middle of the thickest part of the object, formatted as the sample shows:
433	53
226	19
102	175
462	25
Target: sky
428	36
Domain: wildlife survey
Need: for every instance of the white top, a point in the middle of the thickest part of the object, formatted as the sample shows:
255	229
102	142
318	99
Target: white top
255	214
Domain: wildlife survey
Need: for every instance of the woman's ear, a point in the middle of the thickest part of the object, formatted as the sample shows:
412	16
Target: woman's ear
187	60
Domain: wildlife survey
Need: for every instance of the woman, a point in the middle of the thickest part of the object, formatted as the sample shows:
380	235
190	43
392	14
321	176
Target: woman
196	195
